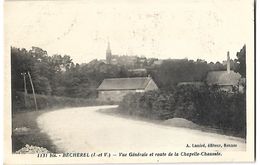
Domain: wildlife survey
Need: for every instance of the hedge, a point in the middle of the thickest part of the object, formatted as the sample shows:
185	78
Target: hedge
204	105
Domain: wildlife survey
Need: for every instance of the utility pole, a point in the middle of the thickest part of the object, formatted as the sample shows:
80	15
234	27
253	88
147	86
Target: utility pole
36	108
25	89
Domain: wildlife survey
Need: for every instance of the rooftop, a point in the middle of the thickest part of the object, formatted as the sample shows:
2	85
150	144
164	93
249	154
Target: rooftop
124	83
223	78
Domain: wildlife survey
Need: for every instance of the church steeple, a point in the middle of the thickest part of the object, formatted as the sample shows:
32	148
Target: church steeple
108	45
108	54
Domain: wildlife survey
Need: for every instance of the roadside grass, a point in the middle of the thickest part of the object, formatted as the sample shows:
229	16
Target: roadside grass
33	136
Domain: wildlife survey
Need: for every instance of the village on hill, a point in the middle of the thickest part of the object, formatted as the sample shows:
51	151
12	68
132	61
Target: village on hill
114	89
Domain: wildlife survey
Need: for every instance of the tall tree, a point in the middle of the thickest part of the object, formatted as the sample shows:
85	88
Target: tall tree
241	58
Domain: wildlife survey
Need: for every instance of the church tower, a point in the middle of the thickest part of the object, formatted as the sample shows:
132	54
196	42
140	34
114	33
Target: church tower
108	54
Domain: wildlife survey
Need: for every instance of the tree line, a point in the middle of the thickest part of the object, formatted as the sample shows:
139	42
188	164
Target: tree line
58	75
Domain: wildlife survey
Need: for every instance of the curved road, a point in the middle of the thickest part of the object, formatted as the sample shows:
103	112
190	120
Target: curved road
85	129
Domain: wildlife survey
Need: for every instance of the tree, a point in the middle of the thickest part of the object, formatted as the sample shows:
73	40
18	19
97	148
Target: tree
241	59
42	85
21	62
171	72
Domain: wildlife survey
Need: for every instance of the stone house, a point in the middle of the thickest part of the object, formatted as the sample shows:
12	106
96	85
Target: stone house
115	89
227	80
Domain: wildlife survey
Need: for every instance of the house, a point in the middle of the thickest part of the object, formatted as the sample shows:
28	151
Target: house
115	89
227	80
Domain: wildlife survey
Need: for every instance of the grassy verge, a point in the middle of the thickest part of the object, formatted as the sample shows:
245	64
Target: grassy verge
33	136
22	103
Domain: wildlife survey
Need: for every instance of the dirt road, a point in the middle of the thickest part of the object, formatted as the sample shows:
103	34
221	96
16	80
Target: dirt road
85	130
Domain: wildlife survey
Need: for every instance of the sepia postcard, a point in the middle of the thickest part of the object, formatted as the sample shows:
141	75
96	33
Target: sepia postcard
120	81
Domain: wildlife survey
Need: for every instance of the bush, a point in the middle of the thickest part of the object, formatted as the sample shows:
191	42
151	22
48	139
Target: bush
203	105
152	104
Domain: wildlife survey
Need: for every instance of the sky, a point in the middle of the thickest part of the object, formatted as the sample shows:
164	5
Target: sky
204	29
